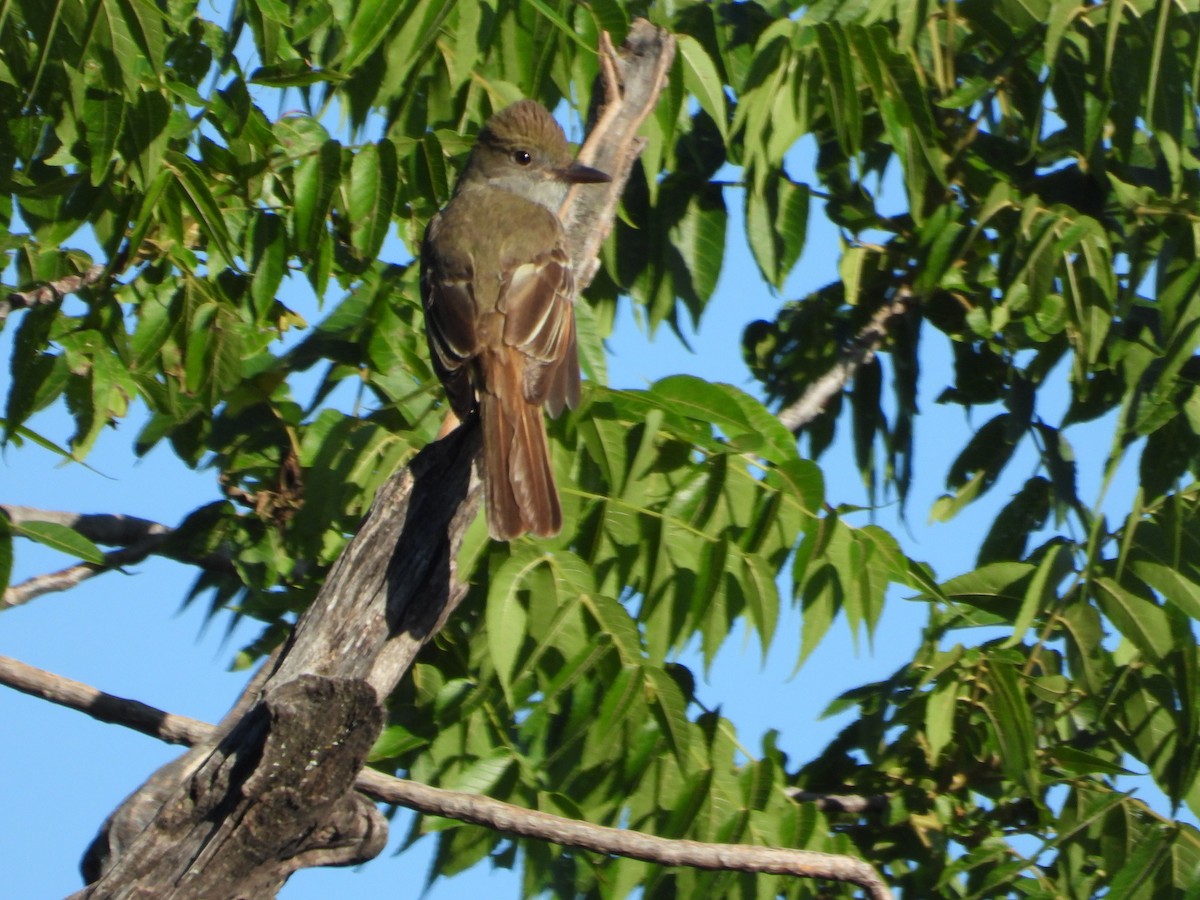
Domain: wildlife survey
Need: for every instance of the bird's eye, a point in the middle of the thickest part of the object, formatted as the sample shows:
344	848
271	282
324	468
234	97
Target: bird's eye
522	157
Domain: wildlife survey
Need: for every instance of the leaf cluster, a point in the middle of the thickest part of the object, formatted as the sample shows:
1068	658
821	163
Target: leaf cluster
1047	155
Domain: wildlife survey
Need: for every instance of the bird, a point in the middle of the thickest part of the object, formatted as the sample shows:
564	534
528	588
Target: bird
497	291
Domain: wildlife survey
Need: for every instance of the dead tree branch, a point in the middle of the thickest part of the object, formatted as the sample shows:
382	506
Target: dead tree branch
136	539
76	695
841	803
856	353
473	808
112	530
619	841
51	291
65	579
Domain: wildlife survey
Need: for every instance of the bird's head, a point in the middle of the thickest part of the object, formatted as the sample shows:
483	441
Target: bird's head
523	150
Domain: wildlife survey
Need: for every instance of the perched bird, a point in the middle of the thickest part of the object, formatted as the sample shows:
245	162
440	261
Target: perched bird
497	288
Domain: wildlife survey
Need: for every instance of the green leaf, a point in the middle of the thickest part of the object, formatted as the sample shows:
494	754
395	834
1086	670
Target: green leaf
373	20
702	80
144	137
776	225
1012	727
593	358
481	775
1040	593
747	424
393	741
997	588
757	583
316	178
20	432
615	621
6	553
1142	621
291	73
65	540
670	708
940	707
1171	584
373	180
610	16
103	119
268	260
1024	514
621	701
561	24
194	187
213	356
506	619
1062	13
700	238
1080	762
145	217
844	106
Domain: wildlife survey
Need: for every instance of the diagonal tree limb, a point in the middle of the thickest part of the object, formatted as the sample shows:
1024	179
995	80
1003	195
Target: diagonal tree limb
613	143
473	808
65	579
84	698
609	841
857	352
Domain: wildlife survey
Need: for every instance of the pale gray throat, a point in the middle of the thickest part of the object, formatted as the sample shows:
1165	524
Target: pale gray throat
541	188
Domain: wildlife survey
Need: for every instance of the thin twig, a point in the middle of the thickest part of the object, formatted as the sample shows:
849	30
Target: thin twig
51	291
65	579
662	851
473	808
845	803
856	353
137	539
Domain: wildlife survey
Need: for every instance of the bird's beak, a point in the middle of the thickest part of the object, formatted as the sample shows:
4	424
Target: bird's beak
578	173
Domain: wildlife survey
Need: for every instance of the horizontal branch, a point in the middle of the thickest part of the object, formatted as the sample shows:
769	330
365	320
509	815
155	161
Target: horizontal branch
472	808
110	529
136	539
50	291
106	707
529	823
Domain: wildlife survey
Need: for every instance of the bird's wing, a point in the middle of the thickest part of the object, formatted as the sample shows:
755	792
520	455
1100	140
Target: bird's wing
540	323
448	295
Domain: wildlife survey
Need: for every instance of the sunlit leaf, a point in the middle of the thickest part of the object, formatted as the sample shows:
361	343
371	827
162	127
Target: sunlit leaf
63	539
702	79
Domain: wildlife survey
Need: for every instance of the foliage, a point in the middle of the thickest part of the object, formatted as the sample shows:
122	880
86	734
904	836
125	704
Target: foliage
1048	155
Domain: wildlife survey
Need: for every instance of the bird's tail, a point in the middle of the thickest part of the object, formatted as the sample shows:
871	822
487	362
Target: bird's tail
518	482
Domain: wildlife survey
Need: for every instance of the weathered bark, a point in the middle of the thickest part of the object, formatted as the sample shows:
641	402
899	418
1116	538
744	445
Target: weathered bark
272	791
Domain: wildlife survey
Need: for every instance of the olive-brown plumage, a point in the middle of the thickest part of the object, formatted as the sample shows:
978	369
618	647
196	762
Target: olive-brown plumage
497	288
